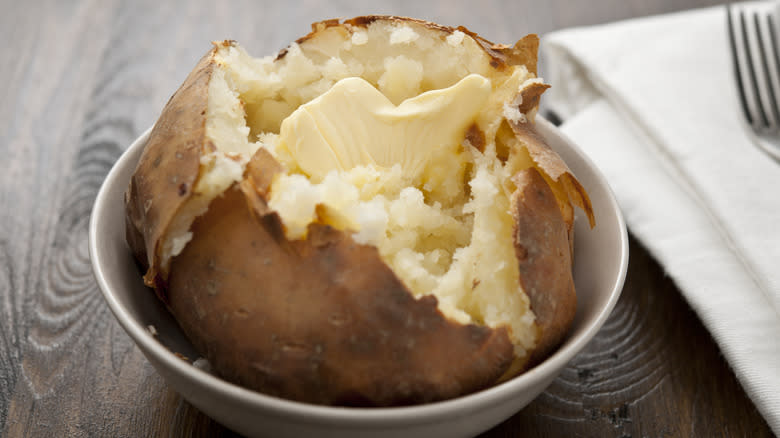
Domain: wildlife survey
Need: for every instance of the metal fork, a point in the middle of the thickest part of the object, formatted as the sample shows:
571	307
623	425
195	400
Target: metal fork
754	50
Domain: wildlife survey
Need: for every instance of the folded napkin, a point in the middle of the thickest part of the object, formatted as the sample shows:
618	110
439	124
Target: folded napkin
653	102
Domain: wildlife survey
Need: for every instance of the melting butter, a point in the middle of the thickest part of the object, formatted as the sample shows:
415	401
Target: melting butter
354	124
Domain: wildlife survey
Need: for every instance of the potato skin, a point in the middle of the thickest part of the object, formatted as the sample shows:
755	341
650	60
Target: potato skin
524	52
325	320
321	320
549	162
543	255
167	171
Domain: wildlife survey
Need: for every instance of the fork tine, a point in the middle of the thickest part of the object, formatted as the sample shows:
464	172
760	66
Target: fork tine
751	48
737	69
750	57
776	64
767	75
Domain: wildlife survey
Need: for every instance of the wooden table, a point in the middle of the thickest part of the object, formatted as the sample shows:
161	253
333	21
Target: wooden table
81	80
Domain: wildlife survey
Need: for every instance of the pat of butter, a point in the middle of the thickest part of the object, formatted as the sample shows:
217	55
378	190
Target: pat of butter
354	124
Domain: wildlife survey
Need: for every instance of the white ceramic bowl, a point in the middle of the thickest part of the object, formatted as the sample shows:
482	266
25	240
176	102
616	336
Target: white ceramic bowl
601	260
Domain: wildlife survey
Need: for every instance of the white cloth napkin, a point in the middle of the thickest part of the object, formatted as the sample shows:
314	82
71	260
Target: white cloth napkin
653	102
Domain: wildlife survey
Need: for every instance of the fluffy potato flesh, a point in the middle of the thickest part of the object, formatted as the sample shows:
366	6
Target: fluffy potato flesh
443	232
405	137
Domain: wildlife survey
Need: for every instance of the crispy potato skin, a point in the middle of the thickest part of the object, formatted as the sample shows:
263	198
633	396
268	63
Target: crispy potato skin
522	53
551	163
322	320
325	320
167	171
542	248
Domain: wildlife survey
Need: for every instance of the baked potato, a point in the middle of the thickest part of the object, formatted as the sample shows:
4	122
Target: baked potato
367	218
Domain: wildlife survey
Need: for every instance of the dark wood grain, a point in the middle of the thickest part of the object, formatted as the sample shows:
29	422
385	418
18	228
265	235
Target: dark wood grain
80	80
653	370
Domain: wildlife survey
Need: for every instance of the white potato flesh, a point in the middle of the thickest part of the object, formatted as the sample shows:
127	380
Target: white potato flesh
436	207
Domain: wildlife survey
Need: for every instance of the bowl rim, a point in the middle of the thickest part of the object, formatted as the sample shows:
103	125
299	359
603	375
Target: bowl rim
311	413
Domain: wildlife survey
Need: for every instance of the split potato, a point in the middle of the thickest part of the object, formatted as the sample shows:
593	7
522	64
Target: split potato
367	218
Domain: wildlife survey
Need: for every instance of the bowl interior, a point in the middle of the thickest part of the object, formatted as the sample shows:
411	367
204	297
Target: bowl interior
601	258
